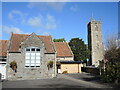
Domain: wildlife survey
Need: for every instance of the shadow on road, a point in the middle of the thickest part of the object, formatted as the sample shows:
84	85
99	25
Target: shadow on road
60	86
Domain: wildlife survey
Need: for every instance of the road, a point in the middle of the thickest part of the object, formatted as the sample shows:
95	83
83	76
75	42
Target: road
0	85
62	81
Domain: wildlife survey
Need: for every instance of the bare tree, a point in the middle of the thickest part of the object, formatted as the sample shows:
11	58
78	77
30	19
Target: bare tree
112	54
111	42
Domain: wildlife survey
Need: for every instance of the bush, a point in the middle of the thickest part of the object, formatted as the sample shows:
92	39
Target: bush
111	73
50	64
13	65
65	72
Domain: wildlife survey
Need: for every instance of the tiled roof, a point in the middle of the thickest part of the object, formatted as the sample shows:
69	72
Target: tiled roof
3	47
16	39
63	49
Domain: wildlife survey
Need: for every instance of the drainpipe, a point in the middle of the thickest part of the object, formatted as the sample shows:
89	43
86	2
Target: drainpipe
55	66
55	74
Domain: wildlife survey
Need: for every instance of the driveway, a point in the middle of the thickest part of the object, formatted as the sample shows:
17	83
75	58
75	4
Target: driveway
62	81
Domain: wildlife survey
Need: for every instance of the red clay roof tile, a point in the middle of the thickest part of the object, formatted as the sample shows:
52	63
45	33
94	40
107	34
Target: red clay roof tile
63	49
18	38
3	47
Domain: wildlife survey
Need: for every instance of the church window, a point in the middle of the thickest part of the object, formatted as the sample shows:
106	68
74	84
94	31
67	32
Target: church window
32	57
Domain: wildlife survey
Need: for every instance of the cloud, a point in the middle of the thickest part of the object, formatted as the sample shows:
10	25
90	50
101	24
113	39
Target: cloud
47	22
50	22
35	22
45	33
8	30
74	8
58	6
16	16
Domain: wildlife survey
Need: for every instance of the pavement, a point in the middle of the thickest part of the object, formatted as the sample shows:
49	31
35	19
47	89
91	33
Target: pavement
79	78
0	85
62	81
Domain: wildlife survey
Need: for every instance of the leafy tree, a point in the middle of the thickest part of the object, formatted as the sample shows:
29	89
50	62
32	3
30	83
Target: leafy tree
80	50
59	40
112	67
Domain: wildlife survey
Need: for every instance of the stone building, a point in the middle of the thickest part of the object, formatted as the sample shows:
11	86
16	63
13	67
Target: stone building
95	43
64	52
3	57
65	56
29	57
32	56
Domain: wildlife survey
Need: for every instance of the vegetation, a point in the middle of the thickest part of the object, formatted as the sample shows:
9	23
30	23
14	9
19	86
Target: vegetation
59	40
58	63
65	72
13	65
111	72
50	64
79	49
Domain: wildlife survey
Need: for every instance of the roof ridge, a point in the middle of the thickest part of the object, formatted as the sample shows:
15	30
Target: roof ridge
60	42
30	34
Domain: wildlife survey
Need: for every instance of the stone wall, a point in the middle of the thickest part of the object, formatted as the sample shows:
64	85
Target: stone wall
27	73
95	42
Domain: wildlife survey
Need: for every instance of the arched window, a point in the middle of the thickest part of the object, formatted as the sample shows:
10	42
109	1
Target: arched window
32	57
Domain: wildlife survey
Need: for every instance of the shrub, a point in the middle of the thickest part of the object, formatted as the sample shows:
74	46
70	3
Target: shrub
50	64
65	72
13	65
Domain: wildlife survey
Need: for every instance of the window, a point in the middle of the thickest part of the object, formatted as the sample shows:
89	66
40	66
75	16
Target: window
32	57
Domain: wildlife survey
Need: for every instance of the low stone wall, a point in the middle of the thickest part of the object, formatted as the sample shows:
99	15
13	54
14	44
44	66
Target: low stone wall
91	70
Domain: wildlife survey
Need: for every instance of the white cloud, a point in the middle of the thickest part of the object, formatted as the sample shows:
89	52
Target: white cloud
16	16
8	30
58	6
35	22
43	22
47	22
74	8
46	33
50	22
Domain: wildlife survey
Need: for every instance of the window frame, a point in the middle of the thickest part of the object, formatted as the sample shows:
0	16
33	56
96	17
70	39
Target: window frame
33	59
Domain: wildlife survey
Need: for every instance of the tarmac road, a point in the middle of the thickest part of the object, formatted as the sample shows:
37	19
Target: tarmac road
62	81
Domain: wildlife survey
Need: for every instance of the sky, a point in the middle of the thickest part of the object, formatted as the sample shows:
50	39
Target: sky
59	19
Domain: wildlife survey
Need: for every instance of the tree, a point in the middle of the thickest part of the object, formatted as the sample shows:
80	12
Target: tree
112	67
59	40
80	50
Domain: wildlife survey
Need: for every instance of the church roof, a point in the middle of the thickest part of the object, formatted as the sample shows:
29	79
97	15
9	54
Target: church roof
16	39
63	49
3	47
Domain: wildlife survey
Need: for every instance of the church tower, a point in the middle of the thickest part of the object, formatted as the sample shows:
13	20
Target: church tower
95	43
